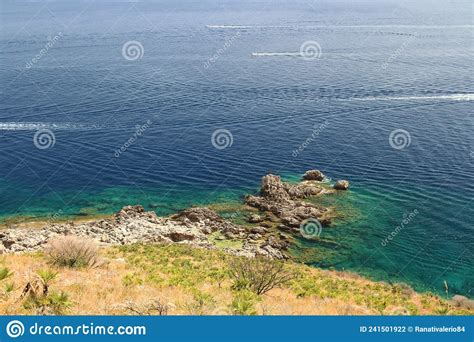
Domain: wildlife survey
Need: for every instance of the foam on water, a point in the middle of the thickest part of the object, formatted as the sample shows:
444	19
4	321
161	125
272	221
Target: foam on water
33	126
436	27
451	97
243	26
277	54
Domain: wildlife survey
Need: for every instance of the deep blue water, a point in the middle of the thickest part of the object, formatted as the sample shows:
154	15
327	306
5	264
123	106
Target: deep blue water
382	67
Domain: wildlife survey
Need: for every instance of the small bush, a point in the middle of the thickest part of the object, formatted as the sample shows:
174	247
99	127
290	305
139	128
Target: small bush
9	287
202	302
150	308
132	279
5	273
54	303
258	275
39	286
71	251
244	303
38	297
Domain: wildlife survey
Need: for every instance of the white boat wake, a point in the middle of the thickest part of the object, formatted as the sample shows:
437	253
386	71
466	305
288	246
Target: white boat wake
236	27
34	126
451	97
273	54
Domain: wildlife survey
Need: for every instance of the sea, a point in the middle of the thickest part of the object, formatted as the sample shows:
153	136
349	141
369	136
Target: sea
172	104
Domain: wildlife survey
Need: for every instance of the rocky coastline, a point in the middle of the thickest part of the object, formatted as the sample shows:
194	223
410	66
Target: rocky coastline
275	215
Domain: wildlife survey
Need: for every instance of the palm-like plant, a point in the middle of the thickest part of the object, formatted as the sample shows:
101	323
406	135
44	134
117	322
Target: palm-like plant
5	273
46	277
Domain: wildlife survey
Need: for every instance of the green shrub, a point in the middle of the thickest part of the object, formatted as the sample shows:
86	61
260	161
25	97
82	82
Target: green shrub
37	295
9	287
244	303
132	279
202	302
258	275
55	303
5	273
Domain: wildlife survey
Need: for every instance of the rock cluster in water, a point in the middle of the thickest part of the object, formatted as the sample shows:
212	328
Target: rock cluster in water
281	206
286	201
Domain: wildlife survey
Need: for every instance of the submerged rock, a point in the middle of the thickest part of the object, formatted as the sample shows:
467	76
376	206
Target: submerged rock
314	175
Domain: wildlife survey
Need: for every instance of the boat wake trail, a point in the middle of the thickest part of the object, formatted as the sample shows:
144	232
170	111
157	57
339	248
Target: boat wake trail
438	27
34	126
277	54
451	97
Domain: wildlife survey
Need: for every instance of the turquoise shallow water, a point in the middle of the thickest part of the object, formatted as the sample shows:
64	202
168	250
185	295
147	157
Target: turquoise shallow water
74	205
212	65
417	254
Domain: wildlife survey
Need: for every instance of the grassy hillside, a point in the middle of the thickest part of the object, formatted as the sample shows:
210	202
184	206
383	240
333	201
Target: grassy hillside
180	280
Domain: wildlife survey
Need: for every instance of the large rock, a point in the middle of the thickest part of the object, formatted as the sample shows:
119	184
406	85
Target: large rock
254	218
258	230
341	185
197	215
284	200
273	188
130	211
208	221
313	175
294	215
304	190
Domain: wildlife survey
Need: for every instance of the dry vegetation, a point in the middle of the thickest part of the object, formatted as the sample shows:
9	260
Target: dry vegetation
178	279
72	251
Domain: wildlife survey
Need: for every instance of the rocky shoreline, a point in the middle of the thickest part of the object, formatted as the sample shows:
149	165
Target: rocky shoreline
282	209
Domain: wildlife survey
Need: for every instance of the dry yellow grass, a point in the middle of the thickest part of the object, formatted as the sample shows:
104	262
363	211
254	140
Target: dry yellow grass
194	281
